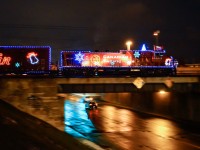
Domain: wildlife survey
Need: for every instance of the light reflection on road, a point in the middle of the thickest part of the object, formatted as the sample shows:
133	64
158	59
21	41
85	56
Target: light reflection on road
76	119
117	127
163	128
116	119
113	127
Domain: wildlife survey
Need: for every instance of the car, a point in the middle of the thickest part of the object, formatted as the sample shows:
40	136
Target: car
91	105
88	98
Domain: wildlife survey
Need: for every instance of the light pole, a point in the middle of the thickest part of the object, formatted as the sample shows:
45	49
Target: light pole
128	44
156	34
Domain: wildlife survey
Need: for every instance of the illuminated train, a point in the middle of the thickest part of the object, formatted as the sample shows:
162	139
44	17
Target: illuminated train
36	60
18	60
123	63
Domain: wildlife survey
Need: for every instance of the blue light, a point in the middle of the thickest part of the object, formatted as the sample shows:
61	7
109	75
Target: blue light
61	59
143	47
79	57
17	64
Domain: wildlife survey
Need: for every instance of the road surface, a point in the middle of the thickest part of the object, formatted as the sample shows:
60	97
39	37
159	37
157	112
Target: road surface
118	128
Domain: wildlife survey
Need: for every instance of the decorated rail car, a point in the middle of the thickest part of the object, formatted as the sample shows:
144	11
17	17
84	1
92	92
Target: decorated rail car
123	63
35	60
25	59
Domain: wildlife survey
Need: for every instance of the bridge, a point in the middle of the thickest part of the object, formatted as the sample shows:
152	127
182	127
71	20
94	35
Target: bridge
173	97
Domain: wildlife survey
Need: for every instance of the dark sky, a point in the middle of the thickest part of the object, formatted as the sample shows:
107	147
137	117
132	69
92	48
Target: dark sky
103	25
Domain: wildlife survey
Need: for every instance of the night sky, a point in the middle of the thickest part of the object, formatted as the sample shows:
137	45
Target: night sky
103	25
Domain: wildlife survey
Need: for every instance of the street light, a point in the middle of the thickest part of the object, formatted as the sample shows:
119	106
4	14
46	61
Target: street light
156	33
128	44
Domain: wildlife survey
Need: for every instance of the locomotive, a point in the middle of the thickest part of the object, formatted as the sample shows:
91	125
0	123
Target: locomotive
36	60
123	63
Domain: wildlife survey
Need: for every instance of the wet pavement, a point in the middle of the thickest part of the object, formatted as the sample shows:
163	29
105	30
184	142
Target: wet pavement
112	127
119	128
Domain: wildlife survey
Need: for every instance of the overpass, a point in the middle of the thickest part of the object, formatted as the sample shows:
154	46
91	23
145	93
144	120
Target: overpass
138	84
173	97
51	86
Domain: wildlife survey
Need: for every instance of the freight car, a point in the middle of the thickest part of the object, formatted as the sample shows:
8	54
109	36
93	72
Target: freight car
25	60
